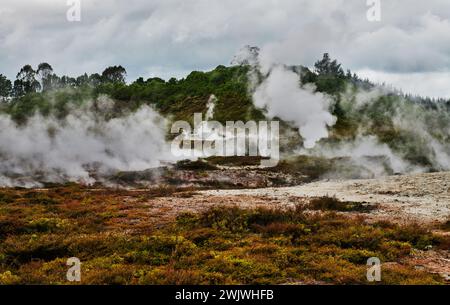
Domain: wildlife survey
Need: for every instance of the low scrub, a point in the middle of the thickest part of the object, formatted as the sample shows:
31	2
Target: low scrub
333	204
112	233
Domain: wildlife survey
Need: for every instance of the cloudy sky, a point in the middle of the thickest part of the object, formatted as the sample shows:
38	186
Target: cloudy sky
409	47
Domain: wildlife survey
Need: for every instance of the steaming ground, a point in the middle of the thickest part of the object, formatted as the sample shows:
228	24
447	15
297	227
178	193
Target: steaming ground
425	133
83	145
93	142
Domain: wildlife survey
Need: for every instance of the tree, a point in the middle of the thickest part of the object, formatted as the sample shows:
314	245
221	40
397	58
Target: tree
67	81
26	82
45	72
328	67
55	81
114	74
82	80
95	79
140	81
173	81
5	87
331	77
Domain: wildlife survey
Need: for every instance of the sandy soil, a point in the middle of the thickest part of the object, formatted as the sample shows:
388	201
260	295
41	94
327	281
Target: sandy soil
422	198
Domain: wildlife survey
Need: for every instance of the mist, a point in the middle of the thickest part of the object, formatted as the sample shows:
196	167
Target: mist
281	94
422	134
81	147
413	138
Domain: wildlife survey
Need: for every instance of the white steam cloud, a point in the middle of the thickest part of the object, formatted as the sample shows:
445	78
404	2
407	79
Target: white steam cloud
421	134
282	95
377	159
79	145
427	131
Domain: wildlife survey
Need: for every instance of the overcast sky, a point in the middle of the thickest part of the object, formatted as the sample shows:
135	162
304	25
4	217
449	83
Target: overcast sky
409	47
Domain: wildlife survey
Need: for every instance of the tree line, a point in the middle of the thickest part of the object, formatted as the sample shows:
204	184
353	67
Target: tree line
327	75
43	79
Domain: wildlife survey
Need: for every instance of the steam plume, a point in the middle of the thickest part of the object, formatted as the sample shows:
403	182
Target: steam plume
83	142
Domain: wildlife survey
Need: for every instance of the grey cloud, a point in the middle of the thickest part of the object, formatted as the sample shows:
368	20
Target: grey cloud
179	36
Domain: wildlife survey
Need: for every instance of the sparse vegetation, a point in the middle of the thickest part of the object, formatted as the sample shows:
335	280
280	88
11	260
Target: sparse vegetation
446	225
199	165
119	242
236	161
333	204
311	167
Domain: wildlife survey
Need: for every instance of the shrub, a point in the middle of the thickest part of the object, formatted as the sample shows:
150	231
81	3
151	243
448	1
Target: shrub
8	278
333	204
7	197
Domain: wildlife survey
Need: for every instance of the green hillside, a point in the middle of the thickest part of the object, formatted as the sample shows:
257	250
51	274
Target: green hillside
43	92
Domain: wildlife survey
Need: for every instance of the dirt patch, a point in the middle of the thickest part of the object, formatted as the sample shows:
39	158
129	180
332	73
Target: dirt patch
421	198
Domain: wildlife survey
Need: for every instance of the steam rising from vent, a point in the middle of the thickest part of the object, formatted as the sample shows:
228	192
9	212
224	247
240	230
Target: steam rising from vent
366	151
50	150
384	132
423	133
210	106
283	96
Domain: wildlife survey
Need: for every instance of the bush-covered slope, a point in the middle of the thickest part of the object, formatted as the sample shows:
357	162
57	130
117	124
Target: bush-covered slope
415	128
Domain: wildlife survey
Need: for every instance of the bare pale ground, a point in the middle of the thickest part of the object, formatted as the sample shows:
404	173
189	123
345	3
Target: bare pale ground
422	198
419	198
